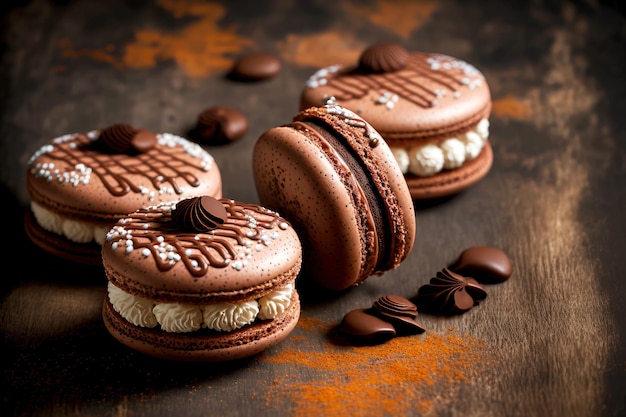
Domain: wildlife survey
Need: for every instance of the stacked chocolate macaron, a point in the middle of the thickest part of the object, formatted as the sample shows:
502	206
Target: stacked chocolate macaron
201	279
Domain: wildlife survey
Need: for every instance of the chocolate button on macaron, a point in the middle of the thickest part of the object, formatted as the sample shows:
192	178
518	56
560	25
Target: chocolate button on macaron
201	279
432	109
331	174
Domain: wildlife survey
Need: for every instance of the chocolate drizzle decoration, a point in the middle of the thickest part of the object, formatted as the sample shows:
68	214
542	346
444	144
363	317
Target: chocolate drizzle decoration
124	138
383	57
199	214
450	293
423	79
153	232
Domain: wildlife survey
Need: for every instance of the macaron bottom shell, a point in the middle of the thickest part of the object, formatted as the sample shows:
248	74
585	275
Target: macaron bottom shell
203	345
89	254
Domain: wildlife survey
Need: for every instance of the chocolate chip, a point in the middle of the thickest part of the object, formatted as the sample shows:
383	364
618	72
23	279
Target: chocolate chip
124	138
383	57
449	293
256	66
366	328
218	125
199	214
486	264
400	312
388	317
394	305
144	140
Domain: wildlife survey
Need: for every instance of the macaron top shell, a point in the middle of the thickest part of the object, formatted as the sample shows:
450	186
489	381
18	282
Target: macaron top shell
424	95
252	252
84	176
331	174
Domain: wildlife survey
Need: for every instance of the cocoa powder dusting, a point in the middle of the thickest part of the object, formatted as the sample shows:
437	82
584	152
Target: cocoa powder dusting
188	47
402	376
512	107
400	17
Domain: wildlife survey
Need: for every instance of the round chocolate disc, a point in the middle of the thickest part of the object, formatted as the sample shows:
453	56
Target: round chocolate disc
199	214
383	57
256	66
219	124
366	328
485	264
144	140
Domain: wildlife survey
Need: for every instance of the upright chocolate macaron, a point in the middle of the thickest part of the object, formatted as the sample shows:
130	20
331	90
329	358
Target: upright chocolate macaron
333	176
80	184
201	279
432	109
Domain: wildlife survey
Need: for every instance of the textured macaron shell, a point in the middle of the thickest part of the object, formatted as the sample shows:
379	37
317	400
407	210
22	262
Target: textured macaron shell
72	177
310	191
303	177
433	97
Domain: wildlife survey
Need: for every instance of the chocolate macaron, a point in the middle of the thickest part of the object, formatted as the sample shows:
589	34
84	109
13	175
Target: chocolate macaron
201	279
432	109
336	180
80	184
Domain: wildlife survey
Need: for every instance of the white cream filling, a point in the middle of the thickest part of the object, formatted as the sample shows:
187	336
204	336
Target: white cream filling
226	317
275	303
183	318
451	153
74	230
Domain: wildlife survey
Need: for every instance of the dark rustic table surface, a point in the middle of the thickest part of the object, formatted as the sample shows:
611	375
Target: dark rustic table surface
550	341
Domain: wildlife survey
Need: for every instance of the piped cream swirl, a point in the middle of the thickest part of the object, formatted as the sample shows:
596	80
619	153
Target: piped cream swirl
184	318
74	230
428	160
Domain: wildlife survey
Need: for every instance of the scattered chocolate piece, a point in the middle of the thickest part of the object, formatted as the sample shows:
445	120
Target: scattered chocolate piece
219	125
199	214
485	264
450	293
366	328
400	312
124	138
383	57
388	317
256	66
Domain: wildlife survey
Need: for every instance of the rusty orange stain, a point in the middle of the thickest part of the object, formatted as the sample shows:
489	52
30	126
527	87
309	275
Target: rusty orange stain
322	49
200	48
510	106
401	17
335	46
203	48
